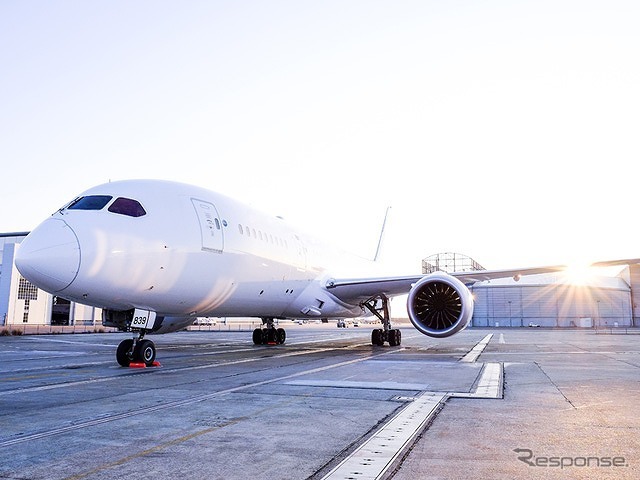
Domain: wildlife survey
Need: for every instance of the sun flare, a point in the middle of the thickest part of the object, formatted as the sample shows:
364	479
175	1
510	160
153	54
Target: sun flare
579	274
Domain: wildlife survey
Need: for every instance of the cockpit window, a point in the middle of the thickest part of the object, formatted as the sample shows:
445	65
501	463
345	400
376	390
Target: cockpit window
127	206
90	202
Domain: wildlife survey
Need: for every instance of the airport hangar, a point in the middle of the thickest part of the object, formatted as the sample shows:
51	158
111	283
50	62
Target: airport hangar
547	300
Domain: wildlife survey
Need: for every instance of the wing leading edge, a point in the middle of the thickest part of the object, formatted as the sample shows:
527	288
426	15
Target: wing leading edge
358	290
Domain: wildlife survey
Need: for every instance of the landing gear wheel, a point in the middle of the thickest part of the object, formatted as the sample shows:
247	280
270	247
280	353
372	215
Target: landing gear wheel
395	337
379	306
145	352
377	338
269	334
257	336
265	336
122	353
272	335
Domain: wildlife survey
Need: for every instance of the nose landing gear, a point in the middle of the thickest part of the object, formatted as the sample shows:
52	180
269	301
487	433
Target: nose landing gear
137	351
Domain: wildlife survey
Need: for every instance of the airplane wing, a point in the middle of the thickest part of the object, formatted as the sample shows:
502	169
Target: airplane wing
611	263
361	289
354	290
357	290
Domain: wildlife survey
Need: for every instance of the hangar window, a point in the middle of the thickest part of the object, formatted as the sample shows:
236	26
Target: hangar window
27	290
90	202
127	206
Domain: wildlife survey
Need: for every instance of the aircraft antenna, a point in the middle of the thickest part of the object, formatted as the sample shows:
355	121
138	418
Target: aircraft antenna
384	224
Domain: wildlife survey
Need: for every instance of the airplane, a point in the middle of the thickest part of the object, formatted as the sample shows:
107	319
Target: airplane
155	255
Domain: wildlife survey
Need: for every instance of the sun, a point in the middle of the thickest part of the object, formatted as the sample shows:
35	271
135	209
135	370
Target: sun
579	274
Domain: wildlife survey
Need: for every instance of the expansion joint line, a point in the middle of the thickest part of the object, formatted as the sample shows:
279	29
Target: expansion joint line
555	385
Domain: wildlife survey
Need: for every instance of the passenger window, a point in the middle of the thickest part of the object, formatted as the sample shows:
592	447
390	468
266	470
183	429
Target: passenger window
217	223
127	206
90	202
241	230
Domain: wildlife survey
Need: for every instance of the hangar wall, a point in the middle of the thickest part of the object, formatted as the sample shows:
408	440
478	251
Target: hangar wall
8	243
547	301
634	281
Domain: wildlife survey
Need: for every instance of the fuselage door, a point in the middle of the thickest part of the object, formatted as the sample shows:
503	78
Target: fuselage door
210	226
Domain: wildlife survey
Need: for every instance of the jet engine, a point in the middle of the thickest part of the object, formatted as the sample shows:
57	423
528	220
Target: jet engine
440	305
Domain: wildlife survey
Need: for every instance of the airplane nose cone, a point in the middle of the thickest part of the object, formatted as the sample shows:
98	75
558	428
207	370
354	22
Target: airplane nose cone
49	257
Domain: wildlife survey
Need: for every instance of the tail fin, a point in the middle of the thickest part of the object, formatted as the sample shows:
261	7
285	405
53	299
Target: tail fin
384	224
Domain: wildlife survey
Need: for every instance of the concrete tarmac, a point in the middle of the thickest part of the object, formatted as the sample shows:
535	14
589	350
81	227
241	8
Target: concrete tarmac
486	403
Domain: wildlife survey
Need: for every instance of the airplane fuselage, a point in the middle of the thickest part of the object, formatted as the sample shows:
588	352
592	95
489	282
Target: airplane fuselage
192	252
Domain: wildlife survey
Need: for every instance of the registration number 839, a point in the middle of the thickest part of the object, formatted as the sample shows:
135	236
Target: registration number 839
143	319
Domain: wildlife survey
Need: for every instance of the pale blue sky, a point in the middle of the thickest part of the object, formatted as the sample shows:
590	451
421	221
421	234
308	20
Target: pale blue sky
504	130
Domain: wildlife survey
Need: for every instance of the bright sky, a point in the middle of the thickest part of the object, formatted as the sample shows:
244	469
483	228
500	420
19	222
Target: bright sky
508	131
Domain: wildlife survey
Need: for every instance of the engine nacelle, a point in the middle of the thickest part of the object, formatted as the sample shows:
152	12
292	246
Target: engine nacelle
440	305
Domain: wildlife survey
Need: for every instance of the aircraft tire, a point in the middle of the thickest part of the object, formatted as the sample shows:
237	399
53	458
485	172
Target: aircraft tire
272	335
121	352
281	335
257	336
395	337
145	352
376	337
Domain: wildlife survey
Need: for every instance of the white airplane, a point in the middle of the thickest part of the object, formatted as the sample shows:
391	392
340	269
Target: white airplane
155	255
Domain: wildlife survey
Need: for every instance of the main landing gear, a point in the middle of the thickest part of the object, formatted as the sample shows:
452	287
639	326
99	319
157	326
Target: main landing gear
269	334
136	350
379	306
